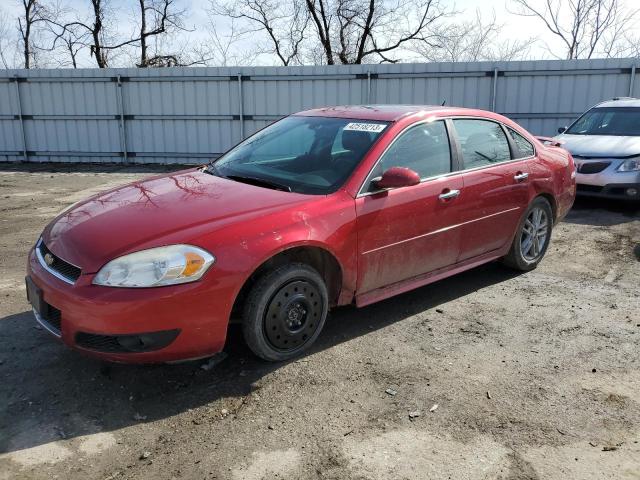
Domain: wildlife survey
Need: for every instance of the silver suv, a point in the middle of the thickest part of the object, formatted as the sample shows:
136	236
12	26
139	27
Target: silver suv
605	144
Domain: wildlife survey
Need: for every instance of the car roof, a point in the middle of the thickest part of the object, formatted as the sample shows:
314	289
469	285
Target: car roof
388	113
620	102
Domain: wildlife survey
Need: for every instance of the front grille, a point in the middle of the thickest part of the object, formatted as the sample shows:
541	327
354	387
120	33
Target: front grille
100	343
588	188
58	265
53	317
50	318
593	167
134	343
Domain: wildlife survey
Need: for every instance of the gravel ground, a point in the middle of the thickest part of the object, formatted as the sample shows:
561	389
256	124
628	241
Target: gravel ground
486	375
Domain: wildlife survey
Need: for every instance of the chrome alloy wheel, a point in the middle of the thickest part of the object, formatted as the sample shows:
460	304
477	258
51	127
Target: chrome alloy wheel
535	233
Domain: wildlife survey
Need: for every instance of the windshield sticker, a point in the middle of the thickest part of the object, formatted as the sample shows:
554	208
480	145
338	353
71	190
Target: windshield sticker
365	127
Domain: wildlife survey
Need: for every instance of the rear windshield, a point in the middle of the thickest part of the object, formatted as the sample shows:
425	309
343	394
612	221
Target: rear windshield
620	121
313	155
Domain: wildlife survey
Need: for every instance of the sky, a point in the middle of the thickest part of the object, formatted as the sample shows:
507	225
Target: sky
515	27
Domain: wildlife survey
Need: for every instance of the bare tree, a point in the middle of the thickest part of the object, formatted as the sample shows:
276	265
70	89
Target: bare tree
33	15
622	46
283	22
157	17
581	25
89	33
92	33
223	45
155	20
71	42
471	41
356	31
96	32
7	42
64	44
335	31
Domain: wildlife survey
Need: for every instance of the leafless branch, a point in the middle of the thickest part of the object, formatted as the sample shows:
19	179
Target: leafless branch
7	42
582	26
336	31
34	16
471	41
283	23
157	18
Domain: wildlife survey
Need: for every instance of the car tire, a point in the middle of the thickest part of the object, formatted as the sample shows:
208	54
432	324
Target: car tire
532	237
285	311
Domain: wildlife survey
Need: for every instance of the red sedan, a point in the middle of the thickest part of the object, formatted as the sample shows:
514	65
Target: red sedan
327	207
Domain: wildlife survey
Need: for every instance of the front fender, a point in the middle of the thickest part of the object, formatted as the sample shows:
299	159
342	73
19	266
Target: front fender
327	223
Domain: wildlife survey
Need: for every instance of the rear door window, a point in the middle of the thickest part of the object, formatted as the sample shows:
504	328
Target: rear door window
483	142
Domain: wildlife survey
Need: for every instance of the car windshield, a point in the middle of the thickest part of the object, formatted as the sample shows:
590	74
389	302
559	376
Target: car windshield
619	121
313	155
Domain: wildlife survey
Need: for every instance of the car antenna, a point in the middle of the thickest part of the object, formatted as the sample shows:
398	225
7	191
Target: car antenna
443	102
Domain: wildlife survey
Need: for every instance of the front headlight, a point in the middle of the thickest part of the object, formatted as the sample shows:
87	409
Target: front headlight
156	267
630	165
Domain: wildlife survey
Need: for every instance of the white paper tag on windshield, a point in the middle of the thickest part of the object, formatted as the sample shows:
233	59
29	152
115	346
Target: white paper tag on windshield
365	127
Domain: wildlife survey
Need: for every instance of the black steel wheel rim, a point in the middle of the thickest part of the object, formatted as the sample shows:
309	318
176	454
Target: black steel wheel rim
293	315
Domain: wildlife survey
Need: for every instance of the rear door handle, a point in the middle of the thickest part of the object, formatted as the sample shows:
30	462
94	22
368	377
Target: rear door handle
521	177
449	194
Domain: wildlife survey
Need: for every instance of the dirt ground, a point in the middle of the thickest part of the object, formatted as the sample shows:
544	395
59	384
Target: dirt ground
534	375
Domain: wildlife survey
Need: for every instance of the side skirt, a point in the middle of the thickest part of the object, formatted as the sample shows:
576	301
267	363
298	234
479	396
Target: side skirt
425	279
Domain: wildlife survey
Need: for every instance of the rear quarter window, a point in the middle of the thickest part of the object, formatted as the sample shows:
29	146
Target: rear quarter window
524	146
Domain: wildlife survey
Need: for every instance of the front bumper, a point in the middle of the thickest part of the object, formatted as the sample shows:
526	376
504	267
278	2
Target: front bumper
609	182
619	191
147	325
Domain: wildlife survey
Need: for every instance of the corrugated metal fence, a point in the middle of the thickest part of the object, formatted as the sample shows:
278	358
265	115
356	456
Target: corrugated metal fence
187	115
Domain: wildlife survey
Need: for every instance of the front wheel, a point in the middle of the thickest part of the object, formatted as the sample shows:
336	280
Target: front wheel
532	238
285	312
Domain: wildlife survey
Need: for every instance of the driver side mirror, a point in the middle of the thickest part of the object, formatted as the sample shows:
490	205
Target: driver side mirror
397	177
562	129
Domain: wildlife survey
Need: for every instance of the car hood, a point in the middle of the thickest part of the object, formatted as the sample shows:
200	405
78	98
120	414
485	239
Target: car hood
147	213
600	145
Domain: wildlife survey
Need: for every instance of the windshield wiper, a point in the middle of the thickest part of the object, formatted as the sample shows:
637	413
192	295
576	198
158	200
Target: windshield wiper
260	182
211	169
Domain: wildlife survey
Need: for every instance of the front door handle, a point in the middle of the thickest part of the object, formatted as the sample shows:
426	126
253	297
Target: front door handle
521	177
449	194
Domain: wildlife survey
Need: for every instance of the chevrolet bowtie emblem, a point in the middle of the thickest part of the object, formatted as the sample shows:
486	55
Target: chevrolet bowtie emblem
48	259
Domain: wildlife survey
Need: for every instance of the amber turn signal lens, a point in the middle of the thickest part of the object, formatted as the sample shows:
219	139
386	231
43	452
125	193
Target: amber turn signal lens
194	264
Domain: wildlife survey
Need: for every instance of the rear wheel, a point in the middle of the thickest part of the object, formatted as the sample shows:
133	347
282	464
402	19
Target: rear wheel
285	312
532	238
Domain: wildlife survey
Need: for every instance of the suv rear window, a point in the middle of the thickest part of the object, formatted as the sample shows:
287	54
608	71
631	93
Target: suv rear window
617	121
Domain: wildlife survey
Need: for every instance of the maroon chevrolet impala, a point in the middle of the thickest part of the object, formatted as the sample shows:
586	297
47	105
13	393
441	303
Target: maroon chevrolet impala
327	207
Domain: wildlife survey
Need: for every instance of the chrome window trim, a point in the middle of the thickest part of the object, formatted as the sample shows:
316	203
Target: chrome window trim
44	265
456	172
444	175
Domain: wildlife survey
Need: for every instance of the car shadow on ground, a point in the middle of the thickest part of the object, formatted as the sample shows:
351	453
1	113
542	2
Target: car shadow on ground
50	392
602	212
